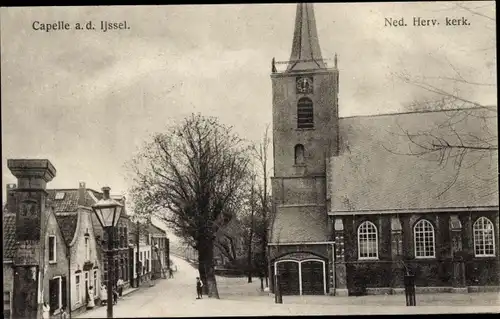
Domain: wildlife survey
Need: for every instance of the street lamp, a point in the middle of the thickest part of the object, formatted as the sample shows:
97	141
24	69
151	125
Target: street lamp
108	213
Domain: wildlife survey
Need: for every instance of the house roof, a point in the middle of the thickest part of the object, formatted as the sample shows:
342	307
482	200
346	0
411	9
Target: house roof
299	224
9	236
69	203
374	172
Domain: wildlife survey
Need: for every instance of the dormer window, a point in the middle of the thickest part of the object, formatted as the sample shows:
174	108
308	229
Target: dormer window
60	195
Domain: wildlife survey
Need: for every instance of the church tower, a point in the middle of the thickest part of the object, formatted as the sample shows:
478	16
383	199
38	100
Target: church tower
305	118
305	135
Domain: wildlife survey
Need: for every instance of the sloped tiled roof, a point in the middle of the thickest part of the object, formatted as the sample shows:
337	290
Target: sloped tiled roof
299	224
9	236
67	224
373	173
69	203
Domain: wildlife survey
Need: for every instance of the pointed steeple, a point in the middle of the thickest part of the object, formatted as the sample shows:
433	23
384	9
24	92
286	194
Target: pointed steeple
306	53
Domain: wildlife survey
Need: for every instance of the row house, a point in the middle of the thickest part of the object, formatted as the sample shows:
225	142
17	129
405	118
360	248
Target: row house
122	256
73	210
36	259
140	248
159	250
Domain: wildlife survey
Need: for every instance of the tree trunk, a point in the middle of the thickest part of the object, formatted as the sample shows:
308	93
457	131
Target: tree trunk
249	257
206	269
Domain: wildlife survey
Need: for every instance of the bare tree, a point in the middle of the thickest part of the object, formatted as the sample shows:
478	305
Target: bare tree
191	178
450	140
261	152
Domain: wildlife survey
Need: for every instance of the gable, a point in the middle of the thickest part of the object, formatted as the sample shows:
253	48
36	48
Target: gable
373	171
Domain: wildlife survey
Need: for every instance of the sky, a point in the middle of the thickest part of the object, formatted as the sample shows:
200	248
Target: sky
87	100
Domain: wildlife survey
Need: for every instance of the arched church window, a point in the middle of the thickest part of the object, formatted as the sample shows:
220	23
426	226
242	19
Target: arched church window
305	118
425	244
299	154
367	241
484	238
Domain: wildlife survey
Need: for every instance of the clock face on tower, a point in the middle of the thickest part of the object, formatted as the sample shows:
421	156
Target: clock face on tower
304	85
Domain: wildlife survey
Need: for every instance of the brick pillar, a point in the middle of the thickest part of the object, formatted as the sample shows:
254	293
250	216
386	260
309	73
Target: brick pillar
458	274
28	202
340	266
331	270
397	267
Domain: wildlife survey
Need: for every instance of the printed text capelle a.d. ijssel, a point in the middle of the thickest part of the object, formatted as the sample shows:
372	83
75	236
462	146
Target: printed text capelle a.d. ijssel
61	25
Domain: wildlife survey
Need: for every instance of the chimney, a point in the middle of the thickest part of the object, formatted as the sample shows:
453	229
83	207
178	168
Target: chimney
11	198
105	192
81	194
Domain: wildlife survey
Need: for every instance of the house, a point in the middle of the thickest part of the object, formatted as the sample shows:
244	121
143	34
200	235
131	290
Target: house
140	243
36	259
352	214
73	210
159	250
122	261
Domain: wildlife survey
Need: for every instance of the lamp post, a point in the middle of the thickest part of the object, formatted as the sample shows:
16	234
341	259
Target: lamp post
108	213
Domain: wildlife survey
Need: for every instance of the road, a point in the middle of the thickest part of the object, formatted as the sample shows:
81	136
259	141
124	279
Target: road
177	298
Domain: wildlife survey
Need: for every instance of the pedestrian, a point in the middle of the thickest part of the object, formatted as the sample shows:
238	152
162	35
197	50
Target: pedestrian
120	286
199	285
63	314
90	293
170	273
115	296
45	310
175	268
104	294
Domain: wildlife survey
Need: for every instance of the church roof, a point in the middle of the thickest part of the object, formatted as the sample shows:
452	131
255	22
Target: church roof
374	172
306	52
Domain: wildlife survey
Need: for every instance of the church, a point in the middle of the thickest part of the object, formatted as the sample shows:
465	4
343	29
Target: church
358	202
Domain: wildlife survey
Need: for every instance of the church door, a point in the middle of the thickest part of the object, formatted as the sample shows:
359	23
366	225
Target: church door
289	277
313	282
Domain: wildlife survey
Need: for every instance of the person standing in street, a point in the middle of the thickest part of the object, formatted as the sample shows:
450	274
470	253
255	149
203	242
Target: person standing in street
63	314
199	285
170	273
103	294
91	304
45	311
120	286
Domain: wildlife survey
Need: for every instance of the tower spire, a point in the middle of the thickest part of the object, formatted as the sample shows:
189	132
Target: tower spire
306	52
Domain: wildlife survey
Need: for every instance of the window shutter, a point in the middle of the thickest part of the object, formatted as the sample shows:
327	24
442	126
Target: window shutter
64	293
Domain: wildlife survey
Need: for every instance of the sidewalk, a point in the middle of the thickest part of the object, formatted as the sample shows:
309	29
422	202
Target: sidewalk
98	306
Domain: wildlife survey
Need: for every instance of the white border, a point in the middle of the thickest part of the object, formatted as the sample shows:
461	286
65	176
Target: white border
52	261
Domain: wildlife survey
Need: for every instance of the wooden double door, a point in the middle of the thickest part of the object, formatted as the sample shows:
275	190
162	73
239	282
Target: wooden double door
302	278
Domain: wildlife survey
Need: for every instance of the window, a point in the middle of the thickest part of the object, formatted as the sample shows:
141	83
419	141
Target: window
424	239
78	289
6	305
52	249
484	238
87	248
59	195
367	241
305	117
299	154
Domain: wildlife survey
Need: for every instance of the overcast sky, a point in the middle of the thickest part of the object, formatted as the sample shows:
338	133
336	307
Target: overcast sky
86	100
